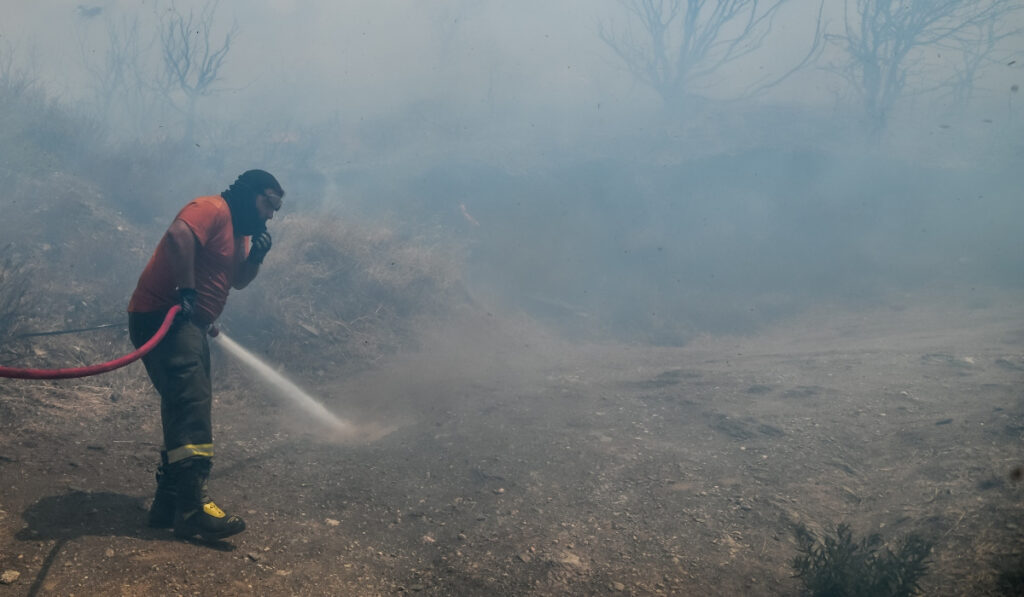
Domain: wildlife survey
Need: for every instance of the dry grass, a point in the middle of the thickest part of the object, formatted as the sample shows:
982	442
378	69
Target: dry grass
85	257
14	284
336	293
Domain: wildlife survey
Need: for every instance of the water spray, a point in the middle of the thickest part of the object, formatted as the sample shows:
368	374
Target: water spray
285	387
343	429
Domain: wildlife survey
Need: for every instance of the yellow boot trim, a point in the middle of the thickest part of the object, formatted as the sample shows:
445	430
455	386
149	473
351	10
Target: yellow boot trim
212	509
188	451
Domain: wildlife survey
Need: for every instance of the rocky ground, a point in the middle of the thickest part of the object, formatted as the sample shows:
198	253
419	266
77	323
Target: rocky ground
532	467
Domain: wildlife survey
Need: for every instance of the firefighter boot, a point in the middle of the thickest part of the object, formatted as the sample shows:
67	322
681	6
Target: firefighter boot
161	512
195	513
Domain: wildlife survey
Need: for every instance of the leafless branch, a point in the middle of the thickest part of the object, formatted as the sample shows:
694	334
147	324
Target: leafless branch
678	47
882	42
192	62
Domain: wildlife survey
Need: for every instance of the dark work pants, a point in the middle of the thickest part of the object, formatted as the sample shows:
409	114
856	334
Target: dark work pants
179	367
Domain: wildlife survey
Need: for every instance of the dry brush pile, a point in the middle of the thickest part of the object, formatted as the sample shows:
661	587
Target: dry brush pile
336	294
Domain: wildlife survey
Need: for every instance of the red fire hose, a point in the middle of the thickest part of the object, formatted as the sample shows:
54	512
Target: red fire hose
95	369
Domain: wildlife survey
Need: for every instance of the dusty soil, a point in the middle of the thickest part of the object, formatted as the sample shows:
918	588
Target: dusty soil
530	467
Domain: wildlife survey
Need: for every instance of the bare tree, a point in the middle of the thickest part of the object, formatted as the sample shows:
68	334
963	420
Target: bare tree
978	49
883	43
14	80
192	62
119	85
678	46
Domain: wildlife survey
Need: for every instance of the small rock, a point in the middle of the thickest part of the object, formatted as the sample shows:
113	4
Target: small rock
462	536
109	553
617	586
428	539
525	558
569	559
331	522
499	490
9	577
255	557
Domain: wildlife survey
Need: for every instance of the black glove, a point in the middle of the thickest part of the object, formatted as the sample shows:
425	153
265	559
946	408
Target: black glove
187	301
259	247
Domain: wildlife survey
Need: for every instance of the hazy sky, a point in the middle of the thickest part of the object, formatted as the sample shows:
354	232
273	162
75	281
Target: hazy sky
368	57
317	57
313	59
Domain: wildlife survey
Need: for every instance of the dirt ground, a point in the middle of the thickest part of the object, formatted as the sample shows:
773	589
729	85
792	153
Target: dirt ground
534	467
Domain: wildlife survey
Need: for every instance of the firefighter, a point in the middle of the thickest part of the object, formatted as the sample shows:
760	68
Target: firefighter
215	243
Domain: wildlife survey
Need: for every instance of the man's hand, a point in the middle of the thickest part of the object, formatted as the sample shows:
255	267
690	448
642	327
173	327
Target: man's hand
260	246
187	301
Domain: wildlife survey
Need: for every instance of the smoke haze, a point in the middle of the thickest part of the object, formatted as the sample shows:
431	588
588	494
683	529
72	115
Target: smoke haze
612	308
581	196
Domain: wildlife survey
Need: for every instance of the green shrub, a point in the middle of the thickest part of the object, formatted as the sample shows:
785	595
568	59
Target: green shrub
841	566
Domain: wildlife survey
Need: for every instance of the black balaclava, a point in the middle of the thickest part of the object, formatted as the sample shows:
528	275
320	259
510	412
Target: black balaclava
241	198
